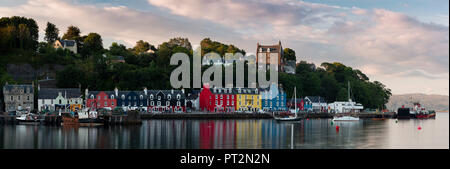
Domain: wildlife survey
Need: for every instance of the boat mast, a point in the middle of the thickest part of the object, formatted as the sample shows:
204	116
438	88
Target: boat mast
348	91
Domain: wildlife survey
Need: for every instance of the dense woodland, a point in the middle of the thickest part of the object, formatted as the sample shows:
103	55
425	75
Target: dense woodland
92	67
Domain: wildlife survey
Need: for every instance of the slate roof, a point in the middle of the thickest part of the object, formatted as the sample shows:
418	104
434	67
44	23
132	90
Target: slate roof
24	87
67	43
316	99
50	93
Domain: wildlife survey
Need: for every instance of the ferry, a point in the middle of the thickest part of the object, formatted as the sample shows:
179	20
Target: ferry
417	111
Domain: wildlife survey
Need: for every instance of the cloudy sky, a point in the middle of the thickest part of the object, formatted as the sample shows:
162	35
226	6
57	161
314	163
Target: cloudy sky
403	43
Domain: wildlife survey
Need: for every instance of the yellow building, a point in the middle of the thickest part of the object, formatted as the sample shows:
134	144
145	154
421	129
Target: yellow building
248	99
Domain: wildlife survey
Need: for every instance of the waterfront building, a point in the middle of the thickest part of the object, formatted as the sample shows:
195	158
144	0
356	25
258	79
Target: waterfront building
18	97
270	52
273	98
217	99
193	100
248	99
166	101
290	104
100	99
66	44
51	99
132	100
315	104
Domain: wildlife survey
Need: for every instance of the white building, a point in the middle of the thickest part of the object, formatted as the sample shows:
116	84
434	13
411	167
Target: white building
345	107
49	99
66	44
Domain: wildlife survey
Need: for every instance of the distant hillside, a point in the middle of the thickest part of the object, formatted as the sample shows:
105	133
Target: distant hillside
436	102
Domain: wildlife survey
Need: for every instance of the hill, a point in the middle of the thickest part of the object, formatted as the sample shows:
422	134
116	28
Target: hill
435	102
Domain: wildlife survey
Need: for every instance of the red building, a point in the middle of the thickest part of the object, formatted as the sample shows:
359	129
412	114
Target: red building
217	99
101	99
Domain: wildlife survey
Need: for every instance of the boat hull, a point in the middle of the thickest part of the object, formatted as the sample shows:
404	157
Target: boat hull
346	118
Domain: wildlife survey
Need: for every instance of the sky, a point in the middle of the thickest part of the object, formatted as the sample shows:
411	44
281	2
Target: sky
404	43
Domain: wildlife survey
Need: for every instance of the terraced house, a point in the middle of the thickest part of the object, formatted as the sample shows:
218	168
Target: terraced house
51	99
18	97
166	101
218	99
248	99
273	98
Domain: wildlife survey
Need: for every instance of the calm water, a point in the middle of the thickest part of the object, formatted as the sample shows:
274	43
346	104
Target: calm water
234	134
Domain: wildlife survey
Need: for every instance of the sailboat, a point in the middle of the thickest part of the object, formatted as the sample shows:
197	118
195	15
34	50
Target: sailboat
290	117
350	106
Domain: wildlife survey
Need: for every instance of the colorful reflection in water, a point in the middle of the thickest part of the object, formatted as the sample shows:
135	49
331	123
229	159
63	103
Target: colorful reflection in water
233	134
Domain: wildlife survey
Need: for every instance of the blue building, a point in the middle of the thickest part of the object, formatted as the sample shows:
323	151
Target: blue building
273	98
132	99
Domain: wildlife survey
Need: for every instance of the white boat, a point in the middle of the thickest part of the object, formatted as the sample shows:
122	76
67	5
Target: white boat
346	118
295	117
347	108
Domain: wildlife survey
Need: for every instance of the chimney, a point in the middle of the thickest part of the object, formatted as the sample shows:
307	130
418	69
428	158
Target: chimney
145	90
86	93
182	90
171	91
39	87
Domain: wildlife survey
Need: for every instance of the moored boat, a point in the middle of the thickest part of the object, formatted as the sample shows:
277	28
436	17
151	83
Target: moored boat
289	116
345	118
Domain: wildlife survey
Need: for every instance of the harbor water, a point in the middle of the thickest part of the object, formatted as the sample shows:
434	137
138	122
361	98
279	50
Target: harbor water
236	134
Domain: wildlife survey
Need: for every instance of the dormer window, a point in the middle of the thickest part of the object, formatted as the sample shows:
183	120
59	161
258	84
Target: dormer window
151	96
159	97
112	96
142	97
178	96
169	96
123	97
92	96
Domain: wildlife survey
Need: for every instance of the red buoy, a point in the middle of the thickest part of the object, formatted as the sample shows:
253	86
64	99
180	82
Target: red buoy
337	127
418	128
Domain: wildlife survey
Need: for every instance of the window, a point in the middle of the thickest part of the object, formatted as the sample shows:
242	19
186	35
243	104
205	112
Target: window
152	103
221	102
112	96
217	97
178	103
129	97
106	97
232	96
60	102
221	96
18	98
98	97
228	102
151	96
112	103
28	97
169	96
106	104
92	96
159	103
167	103
178	96
216	102
159	97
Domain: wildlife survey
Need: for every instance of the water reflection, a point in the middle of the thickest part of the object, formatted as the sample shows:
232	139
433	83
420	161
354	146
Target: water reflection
233	134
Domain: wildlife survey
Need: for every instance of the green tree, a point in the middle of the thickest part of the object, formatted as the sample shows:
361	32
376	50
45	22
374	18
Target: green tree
73	33
289	54
51	33
92	44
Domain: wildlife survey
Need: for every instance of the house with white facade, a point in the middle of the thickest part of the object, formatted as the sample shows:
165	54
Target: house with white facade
53	99
66	44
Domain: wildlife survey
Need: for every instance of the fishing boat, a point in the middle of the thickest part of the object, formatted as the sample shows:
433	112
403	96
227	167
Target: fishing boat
69	119
417	111
289	116
349	110
27	117
88	116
